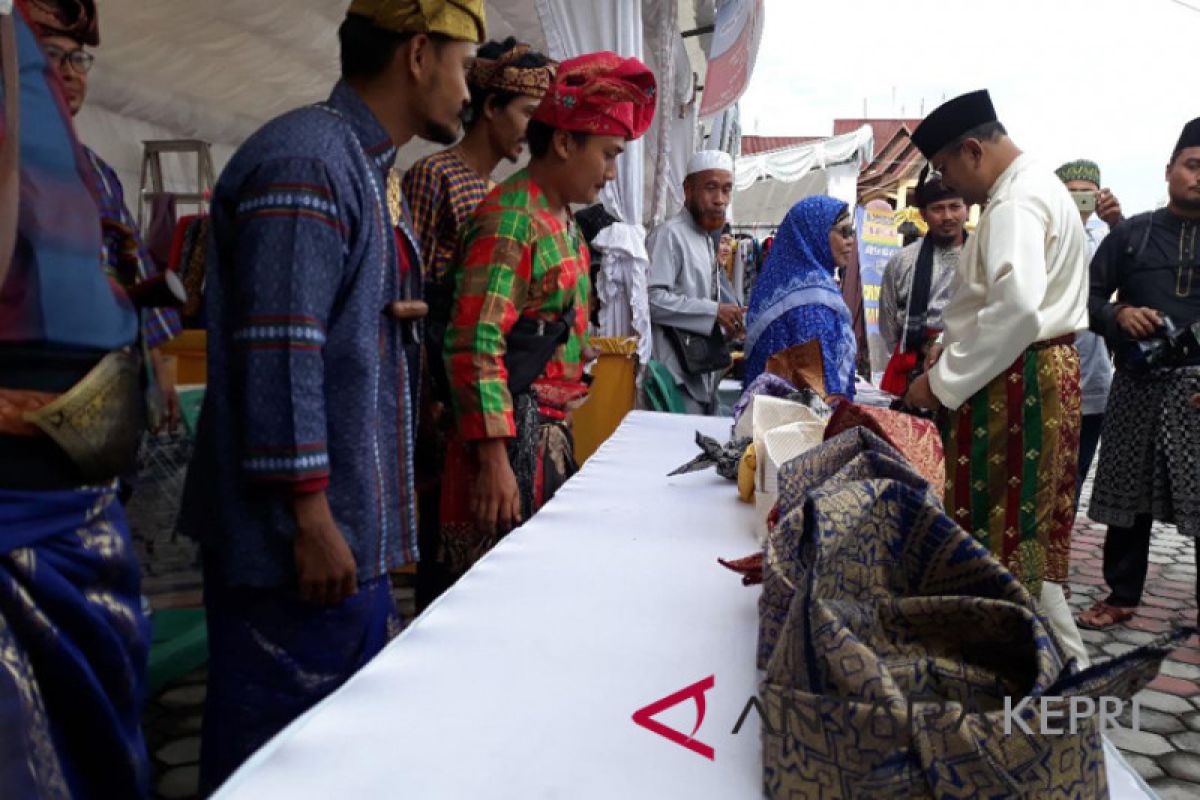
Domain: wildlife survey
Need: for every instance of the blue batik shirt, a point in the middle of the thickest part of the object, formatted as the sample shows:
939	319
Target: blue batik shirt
307	380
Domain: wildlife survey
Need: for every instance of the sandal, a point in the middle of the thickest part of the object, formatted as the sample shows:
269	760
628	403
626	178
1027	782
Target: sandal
1102	616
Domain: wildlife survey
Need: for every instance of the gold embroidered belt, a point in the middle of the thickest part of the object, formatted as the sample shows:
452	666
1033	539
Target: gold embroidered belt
98	422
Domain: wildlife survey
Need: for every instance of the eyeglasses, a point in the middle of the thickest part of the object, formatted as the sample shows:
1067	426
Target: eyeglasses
80	60
846	231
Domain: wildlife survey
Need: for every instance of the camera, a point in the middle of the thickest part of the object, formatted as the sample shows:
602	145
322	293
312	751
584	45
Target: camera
1170	346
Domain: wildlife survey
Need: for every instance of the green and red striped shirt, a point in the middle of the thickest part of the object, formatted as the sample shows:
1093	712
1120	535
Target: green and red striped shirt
517	259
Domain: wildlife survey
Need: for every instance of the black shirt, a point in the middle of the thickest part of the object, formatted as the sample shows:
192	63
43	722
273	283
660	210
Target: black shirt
1160	270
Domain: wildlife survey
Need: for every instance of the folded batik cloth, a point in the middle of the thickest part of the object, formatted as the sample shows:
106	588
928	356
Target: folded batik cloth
855	454
917	439
725	457
903	640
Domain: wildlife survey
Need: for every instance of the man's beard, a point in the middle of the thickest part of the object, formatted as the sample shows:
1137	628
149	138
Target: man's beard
1186	200
709	222
438	133
943	241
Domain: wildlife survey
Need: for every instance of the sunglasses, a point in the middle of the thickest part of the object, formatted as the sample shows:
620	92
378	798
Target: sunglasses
846	231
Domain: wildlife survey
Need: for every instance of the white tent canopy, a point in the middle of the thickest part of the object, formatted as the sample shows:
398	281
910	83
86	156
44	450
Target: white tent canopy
767	185
217	70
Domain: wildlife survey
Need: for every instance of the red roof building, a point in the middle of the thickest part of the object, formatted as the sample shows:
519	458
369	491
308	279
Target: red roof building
897	161
753	145
893	169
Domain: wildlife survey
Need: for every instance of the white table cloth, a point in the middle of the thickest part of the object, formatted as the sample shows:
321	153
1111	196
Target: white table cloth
521	681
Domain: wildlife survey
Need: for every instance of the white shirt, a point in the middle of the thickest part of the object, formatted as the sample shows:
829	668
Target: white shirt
1023	279
1095	366
683	289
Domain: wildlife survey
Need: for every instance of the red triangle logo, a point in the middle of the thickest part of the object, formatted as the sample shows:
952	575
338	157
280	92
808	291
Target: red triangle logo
645	716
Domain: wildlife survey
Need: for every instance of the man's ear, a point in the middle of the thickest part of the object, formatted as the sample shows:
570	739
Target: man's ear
491	109
974	150
417	55
564	144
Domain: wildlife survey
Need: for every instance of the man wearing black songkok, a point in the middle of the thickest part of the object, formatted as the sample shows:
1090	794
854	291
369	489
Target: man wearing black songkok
1150	444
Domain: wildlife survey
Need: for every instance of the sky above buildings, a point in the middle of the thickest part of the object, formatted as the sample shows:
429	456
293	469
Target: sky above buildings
1109	80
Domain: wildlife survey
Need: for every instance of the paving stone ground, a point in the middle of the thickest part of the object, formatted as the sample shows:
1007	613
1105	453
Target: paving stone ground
1165	751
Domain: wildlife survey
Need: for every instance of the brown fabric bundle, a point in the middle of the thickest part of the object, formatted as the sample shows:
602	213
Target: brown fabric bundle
802	366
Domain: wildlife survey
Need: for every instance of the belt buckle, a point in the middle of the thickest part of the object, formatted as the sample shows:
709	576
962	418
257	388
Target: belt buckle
99	421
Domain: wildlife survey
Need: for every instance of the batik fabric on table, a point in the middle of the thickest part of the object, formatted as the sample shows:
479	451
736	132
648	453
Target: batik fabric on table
1011	461
917	439
901	641
519	260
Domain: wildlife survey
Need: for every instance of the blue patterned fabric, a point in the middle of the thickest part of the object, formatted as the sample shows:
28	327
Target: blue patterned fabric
795	299
73	647
56	292
308	381
891	640
273	657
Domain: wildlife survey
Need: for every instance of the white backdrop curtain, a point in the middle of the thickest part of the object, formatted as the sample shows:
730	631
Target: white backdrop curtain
767	185
573	28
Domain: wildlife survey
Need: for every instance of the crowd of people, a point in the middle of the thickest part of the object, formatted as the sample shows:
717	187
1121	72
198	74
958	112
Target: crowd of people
394	358
1002	335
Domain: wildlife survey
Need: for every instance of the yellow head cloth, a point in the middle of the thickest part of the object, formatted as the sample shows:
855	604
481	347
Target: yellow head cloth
459	19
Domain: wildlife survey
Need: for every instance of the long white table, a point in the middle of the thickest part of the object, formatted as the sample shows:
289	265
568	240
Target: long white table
521	681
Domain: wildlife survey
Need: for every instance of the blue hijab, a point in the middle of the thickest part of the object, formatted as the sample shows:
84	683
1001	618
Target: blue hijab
795	299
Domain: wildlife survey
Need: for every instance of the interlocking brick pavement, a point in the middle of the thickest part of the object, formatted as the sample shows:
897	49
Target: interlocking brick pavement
1165	752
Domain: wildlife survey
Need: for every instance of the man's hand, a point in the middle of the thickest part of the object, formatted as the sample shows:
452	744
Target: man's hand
165	378
921	396
325	567
730	316
1108	208
496	501
932	356
170	407
1140	323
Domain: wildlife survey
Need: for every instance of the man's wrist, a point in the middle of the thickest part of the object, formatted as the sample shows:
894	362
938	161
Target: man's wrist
312	513
491	451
